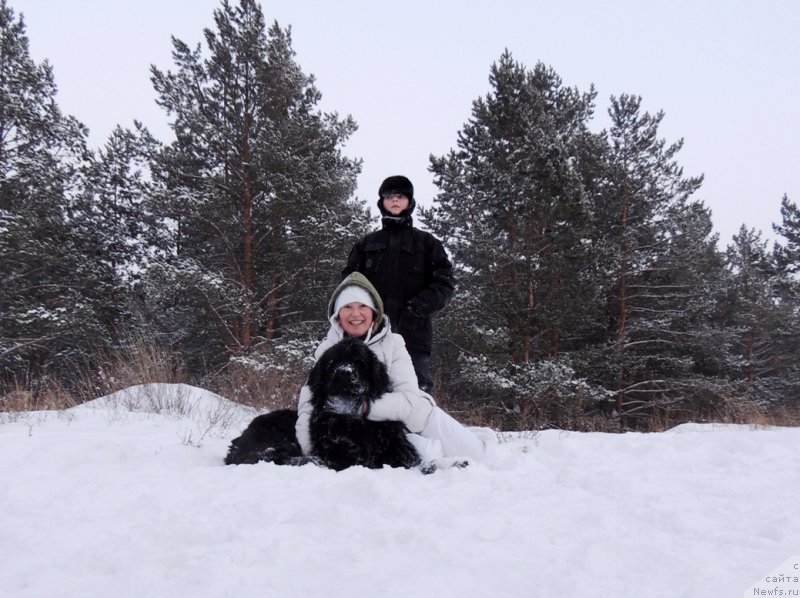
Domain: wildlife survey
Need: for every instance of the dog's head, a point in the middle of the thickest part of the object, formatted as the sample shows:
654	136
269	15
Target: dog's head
347	376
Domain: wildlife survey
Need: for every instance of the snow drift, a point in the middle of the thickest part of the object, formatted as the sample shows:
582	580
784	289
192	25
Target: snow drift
127	496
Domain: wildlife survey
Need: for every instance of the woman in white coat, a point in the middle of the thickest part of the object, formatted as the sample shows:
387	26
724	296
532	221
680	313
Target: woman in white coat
356	310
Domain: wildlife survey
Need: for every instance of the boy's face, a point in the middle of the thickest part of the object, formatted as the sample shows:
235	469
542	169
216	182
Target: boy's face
395	203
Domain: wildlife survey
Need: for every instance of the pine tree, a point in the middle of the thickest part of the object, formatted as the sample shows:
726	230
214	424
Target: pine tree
256	189
47	322
788	255
779	386
765	324
119	233
510	203
660	257
511	209
118	185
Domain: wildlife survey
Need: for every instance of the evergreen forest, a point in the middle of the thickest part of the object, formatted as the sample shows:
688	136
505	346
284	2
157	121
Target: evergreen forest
592	293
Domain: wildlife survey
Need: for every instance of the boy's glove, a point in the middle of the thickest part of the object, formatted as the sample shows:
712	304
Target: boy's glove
413	311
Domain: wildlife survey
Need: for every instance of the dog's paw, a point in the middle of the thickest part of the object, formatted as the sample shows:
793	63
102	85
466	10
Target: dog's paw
428	467
449	463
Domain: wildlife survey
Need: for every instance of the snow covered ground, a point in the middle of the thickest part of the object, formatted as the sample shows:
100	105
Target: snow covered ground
127	496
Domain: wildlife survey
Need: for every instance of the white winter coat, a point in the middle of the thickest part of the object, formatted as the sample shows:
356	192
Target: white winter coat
405	402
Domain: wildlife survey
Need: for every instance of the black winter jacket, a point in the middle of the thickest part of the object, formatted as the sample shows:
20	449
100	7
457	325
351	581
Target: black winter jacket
411	272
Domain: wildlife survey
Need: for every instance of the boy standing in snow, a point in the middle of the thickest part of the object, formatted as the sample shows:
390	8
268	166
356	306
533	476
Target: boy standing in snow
410	270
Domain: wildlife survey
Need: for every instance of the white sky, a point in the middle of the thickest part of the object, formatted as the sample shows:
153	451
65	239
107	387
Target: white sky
725	72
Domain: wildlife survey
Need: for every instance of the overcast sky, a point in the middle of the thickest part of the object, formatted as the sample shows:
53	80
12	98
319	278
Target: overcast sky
725	72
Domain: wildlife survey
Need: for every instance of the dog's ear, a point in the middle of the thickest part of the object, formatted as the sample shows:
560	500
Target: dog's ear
315	376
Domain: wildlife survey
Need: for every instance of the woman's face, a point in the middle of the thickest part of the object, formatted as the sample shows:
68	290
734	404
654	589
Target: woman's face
356	318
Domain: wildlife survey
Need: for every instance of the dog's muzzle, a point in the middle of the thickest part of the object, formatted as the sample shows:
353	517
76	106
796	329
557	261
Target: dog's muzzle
344	405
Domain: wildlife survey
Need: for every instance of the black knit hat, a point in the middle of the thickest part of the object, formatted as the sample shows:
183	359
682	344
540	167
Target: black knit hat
396	184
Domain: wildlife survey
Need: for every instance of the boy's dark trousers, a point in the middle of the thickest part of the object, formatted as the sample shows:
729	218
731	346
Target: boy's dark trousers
422	365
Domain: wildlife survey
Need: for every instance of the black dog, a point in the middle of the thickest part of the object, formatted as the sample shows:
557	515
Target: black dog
269	437
346	379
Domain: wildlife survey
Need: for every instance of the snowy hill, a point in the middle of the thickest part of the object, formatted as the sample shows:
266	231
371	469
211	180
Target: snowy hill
127	496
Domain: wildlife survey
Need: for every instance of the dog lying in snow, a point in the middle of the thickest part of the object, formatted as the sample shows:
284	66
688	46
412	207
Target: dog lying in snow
346	377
